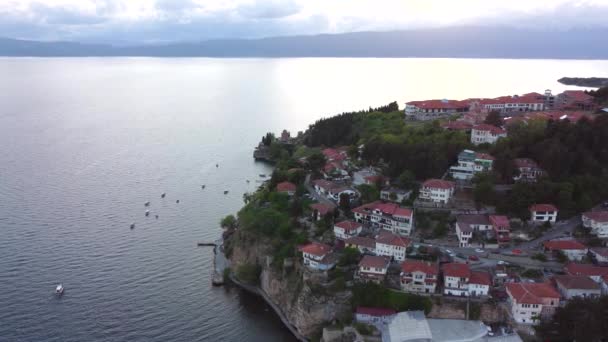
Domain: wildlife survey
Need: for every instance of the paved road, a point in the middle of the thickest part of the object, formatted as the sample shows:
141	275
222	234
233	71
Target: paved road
558	230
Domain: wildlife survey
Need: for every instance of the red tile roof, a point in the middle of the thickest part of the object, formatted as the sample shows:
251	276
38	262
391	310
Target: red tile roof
410	266
333	154
585	270
456	270
499	221
373	261
602	251
379	312
543	207
576	282
327	185
598	216
484	156
322	208
438	184
390	209
578	95
285	187
482	278
531	293
492	129
361	241
440	104
564	245
525	162
348	225
388	238
457	125
315	248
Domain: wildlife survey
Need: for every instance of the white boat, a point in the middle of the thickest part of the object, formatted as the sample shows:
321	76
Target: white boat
59	289
147	212
147	204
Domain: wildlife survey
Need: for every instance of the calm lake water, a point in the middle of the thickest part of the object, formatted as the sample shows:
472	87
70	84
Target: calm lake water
84	142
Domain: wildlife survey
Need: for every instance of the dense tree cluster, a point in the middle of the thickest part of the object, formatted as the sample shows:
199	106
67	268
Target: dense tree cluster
374	295
580	320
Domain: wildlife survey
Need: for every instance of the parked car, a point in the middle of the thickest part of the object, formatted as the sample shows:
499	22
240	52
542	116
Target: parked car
502	262
473	258
479	250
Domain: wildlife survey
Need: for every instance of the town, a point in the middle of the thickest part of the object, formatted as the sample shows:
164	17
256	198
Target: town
492	247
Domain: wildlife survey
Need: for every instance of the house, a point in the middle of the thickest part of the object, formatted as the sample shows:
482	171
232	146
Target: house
479	284
419	276
456	279
594	272
515	103
316	256
574	250
599	255
323	187
320	210
501	228
363	176
395	195
574	99
365	245
285	136
471	163
577	286
437	191
466	225
373	315
335	170
532	301
486	134
388	216
287	187
335	193
597	222
391	245
335	154
433	109
500	275
457	126
373	268
543	213
528	170
347	229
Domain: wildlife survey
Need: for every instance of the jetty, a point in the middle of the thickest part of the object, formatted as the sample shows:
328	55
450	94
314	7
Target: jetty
220	263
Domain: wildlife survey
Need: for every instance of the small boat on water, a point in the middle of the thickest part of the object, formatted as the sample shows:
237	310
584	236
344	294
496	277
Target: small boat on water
162	195
59	289
202	186
177	201
225	192
156	217
132	225
147	204
217	165
248	181
147	212
262	175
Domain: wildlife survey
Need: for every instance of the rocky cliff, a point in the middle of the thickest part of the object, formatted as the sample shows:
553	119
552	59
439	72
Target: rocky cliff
306	303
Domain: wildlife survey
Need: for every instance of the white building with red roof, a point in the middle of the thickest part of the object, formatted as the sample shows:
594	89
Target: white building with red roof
543	213
528	170
365	245
532	301
471	163
466	225
287	187
373	315
347	229
577	286
391	245
574	99
597	222
323	187
388	216
574	250
486	134
479	284
433	109
419	276
316	256
437	191
594	272
502	229
599	255
373	268
319	210
456	279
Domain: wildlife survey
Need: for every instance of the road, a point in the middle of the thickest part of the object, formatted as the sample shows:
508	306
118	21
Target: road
558	230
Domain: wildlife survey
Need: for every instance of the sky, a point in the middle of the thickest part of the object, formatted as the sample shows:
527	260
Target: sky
157	21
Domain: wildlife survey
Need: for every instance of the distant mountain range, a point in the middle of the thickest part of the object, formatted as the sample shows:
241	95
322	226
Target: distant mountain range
461	42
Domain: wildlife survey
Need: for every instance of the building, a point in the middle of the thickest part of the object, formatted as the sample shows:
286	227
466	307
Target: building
373	315
433	109
363	176
456	279
466	225
471	163
486	134
531	302
373	268
599	255
516	103
527	170
574	99
316	256
408	326
479	284
597	222
395	195
437	191
347	229
594	272
337	192
501	228
335	170
391	245
285	136
324	187
320	210
388	216
577	286
500	275
543	213
287	187
574	250
365	245
419	276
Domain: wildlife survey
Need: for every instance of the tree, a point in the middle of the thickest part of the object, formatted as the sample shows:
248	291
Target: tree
350	256
344	202
484	193
228	222
407	180
494	119
316	161
369	193
582	319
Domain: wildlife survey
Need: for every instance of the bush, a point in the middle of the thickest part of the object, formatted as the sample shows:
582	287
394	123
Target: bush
350	256
374	295
249	273
532	273
540	257
363	329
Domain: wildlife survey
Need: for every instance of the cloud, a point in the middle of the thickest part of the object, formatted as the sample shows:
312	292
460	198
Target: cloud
268	9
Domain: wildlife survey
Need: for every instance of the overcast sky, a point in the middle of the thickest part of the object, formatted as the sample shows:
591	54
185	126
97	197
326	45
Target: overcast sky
181	20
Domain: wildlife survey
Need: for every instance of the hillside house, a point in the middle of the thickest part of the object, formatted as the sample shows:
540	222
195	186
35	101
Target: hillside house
419	276
316	256
574	250
543	213
597	222
530	302
437	191
486	134
577	286
471	163
347	229
391	245
527	170
373	268
388	216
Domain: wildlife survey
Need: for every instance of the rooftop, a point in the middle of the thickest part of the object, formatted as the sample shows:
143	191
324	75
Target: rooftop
489	128
373	261
390	209
543	207
322	208
479	277
456	270
364	310
361	241
564	245
348	225
388	238
531	293
598	216
438	184
410	266
585	270
576	282
315	248
286	186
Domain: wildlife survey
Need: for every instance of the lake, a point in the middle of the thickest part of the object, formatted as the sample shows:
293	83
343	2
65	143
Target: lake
85	142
